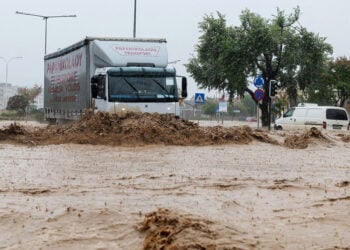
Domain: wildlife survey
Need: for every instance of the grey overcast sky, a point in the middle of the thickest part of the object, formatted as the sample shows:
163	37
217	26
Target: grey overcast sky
175	20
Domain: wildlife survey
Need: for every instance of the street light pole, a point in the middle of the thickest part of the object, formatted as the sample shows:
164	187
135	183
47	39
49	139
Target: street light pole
7	71
134	18
174	62
7	64
45	18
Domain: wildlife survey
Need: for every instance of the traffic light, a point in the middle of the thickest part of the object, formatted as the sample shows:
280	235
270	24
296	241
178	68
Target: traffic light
273	88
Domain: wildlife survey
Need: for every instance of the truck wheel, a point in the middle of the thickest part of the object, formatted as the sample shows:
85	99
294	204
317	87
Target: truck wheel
51	121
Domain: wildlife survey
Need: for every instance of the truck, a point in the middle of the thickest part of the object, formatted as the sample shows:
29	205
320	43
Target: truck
112	75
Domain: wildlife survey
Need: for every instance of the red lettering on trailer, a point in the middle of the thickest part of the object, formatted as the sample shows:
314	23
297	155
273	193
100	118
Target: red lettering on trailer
60	99
72	87
71	98
64	63
70	77
55	89
136	51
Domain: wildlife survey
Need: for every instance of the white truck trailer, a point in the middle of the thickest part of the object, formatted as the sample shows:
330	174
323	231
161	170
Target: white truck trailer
112	75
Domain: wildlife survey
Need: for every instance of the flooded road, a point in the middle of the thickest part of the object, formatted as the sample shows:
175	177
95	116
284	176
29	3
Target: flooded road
257	195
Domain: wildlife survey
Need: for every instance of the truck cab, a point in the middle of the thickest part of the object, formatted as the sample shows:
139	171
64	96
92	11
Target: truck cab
142	89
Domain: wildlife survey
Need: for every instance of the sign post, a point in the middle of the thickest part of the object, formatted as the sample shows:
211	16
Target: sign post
259	93
222	109
199	98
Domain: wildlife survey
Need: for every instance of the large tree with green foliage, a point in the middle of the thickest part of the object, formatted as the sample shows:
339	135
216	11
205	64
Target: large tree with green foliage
339	70
277	48
333	85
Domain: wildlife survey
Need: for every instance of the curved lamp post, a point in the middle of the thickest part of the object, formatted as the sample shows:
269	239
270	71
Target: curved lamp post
45	18
7	61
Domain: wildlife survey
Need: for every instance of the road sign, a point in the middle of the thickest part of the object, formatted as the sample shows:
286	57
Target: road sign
222	106
199	98
259	82
259	94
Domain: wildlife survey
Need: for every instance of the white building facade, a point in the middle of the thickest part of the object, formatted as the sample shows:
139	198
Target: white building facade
7	90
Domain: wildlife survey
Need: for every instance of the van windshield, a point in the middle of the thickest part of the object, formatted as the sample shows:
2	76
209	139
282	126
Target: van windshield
289	113
336	114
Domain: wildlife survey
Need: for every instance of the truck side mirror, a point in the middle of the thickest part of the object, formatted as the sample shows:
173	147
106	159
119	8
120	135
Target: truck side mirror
94	86
184	87
94	90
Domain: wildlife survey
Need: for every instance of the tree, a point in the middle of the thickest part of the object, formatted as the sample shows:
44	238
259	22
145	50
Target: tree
277	48
17	102
216	65
30	93
209	107
333	85
321	91
340	70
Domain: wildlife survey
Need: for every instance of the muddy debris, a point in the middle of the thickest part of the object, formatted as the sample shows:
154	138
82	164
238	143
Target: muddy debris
302	141
133	129
167	229
344	138
11	132
343	184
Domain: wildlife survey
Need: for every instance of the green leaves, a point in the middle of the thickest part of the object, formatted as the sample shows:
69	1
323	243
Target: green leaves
18	103
277	48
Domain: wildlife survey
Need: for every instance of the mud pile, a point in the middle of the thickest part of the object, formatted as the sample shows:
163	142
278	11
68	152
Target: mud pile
345	138
12	132
165	229
132	129
302	141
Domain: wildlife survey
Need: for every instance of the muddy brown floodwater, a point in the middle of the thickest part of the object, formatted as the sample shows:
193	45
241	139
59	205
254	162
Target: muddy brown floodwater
139	181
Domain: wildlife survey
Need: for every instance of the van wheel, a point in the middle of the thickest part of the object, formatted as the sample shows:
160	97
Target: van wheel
278	128
314	131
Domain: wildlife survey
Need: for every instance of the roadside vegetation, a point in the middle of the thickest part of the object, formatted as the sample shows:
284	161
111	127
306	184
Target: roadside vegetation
21	106
228	58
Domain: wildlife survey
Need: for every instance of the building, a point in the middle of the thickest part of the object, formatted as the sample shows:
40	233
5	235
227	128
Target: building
39	101
7	90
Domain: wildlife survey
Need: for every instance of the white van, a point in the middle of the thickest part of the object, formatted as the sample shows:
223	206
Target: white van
313	116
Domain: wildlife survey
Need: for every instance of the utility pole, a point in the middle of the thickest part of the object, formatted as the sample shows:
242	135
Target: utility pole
45	19
134	19
273	85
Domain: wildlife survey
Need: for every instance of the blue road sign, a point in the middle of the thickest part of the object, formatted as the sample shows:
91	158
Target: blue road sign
259	82
199	98
259	94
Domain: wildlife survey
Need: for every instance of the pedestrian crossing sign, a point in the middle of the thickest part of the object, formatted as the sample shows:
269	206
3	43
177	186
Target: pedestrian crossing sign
199	98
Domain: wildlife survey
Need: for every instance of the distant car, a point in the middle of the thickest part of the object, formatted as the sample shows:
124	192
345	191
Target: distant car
251	119
320	117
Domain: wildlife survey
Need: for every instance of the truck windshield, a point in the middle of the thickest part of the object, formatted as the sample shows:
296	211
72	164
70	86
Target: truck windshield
142	89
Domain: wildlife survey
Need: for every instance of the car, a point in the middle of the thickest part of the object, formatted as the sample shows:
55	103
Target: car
251	119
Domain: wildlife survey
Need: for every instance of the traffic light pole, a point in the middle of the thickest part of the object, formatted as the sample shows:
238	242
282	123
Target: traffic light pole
269	108
273	85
